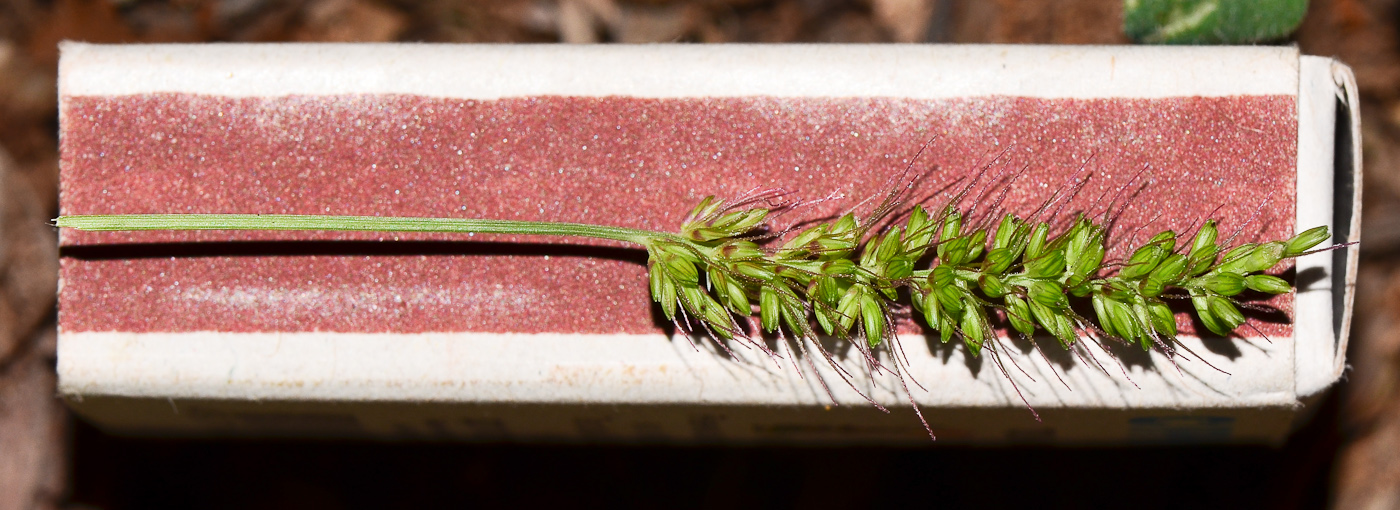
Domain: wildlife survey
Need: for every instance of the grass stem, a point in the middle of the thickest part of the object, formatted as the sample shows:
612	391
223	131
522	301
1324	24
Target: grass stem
115	222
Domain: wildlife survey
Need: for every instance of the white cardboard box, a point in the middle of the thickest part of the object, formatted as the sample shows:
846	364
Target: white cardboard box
434	336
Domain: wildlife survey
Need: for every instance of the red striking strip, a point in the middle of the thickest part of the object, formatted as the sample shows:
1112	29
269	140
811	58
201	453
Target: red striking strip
621	161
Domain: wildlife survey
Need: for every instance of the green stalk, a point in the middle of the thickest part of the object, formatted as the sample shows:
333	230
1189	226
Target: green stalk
114	222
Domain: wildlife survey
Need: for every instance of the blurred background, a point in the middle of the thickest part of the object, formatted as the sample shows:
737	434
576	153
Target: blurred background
1348	456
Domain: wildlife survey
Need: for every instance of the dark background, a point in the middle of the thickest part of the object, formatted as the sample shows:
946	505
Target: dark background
1348	456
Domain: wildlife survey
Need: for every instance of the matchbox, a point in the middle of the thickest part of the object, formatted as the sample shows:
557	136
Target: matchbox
499	337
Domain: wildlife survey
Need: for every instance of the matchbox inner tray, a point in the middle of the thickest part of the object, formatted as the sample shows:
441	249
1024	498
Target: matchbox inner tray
532	338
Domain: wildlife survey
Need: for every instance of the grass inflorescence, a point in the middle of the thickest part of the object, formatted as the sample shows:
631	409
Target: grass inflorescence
852	277
843	279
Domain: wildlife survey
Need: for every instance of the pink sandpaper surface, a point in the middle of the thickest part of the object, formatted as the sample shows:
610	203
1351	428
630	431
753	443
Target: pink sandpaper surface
630	162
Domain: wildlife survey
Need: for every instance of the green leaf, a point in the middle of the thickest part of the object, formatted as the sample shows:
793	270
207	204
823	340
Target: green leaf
869	254
707	234
719	321
1118	319
1203	250
717	277
936	318
1211	21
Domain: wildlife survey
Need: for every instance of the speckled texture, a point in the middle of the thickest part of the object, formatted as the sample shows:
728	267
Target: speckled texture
621	161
